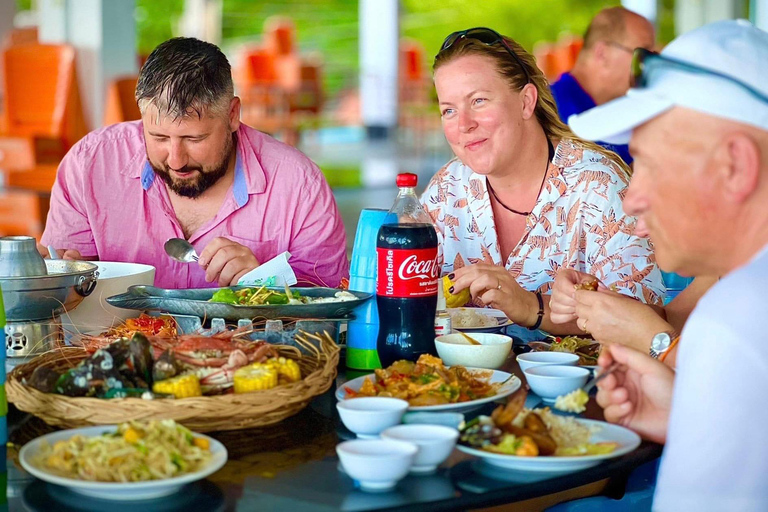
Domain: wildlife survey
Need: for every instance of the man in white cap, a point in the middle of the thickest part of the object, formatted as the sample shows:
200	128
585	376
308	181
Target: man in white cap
697	122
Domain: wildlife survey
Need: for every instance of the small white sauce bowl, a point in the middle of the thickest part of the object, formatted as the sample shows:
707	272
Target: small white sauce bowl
551	381
531	359
368	416
435	444
454	349
377	464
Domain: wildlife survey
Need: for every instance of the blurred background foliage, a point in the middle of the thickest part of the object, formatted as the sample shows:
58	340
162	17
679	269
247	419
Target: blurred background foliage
330	27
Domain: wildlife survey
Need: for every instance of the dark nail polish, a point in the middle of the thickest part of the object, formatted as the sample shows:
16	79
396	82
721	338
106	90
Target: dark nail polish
450	290
451	276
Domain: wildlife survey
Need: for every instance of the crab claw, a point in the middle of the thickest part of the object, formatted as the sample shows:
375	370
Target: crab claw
237	359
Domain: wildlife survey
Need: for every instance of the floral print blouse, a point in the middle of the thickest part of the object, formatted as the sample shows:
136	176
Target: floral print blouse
578	222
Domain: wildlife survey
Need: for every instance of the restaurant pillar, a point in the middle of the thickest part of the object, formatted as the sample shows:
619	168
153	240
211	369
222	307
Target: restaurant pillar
379	50
691	14
103	32
758	13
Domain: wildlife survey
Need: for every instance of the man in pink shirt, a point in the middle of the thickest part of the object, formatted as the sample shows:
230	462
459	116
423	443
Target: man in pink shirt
190	169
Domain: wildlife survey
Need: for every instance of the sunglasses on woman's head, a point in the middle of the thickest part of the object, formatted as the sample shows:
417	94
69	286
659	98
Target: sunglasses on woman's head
642	58
488	37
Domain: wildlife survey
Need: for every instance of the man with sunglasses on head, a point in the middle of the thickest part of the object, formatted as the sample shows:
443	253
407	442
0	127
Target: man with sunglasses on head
601	73
697	122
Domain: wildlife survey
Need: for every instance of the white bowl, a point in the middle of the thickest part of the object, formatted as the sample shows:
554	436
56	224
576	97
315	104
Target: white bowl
94	314
454	349
552	381
378	464
435	443
368	416
531	359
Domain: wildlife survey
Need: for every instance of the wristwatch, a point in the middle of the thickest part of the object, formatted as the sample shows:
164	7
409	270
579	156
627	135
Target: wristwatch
660	343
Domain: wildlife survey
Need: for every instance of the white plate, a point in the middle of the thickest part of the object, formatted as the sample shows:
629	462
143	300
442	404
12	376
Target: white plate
496	314
608	432
512	385
116	490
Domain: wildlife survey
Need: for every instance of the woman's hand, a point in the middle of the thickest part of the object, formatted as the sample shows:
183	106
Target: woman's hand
494	286
614	318
639	394
562	305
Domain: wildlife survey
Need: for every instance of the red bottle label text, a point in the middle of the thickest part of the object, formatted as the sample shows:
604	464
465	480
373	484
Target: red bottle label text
406	273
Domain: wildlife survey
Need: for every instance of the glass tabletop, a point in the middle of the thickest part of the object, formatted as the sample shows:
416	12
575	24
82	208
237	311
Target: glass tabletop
293	466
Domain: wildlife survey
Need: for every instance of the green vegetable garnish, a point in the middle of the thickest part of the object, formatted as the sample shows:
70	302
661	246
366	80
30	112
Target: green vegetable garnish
225	295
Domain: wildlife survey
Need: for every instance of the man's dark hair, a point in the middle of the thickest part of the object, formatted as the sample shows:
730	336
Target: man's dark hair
185	76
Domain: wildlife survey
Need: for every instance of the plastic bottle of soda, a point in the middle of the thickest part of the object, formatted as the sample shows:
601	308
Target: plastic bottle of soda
407	277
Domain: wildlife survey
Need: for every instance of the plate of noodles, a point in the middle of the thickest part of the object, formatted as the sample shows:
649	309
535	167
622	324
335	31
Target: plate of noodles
136	460
478	319
587	349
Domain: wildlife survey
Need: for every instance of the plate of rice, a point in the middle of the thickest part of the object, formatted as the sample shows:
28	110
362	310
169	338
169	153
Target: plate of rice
478	319
581	443
136	460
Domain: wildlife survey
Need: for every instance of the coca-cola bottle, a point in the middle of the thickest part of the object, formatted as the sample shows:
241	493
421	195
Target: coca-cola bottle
406	285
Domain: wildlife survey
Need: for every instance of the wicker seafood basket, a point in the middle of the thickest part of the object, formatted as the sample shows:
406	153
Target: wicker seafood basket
318	359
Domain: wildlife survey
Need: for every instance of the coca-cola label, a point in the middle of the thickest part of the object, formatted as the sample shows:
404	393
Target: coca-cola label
406	273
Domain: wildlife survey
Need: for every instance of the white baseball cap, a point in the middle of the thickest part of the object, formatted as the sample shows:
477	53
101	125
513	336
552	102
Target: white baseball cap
716	55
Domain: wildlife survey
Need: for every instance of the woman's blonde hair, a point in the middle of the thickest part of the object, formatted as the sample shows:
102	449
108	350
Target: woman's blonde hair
510	70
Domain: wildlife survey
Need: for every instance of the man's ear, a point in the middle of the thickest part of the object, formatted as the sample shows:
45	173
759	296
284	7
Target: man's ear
741	169
598	51
234	114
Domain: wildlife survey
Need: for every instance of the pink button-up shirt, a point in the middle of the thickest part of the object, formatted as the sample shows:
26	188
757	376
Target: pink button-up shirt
108	203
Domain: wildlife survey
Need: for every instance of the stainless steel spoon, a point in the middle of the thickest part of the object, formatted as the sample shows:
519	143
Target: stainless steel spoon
180	250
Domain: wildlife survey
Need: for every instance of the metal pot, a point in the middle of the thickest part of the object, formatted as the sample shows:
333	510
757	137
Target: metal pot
43	297
19	257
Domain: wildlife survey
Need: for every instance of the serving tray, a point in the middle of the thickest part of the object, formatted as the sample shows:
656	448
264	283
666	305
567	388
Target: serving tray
195	302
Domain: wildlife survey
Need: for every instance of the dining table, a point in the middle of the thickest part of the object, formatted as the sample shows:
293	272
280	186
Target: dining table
292	466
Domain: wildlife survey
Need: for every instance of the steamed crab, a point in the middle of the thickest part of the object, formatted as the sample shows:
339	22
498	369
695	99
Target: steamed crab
212	358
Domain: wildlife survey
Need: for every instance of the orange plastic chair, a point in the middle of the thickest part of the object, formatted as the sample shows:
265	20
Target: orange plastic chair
22	213
27	35
121	101
280	35
42	100
545	60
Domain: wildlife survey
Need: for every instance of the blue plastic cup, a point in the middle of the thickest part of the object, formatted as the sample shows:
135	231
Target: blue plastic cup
363	330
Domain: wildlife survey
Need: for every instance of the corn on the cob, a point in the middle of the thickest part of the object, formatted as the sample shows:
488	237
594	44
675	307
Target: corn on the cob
255	377
183	386
286	368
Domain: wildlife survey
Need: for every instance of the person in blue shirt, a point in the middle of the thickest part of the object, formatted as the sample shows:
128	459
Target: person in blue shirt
601	72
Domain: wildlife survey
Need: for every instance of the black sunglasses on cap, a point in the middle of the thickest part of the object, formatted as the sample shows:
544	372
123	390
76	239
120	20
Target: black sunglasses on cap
488	37
641	59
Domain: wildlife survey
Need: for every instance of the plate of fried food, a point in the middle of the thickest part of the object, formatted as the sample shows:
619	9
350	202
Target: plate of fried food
587	349
132	461
539	440
428	385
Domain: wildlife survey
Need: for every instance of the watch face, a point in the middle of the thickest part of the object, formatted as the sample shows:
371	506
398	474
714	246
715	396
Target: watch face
661	342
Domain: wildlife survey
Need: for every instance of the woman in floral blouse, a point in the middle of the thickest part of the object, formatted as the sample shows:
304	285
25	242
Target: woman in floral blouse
524	196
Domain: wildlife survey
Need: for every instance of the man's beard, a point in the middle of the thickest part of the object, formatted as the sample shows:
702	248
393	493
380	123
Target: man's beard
194	187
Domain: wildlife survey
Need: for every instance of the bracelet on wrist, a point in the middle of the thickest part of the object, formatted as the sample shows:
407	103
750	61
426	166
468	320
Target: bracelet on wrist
540	314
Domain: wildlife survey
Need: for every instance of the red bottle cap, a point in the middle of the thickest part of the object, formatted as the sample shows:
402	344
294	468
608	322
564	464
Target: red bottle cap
407	179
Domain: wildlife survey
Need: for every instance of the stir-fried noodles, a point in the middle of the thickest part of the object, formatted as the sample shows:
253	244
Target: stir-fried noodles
137	451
